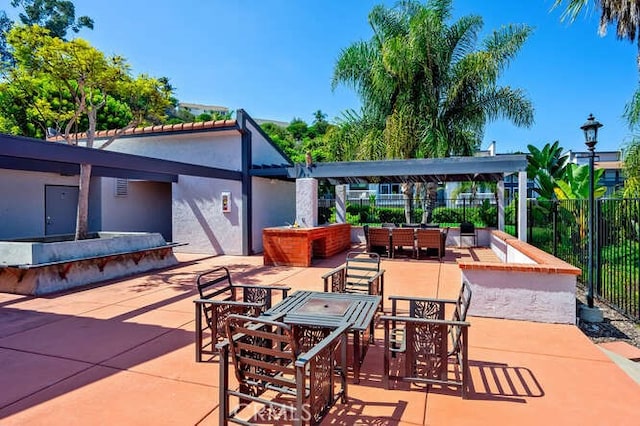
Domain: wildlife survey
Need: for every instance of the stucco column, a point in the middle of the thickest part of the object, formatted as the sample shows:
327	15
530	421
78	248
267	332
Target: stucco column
307	202
341	203
501	204
522	206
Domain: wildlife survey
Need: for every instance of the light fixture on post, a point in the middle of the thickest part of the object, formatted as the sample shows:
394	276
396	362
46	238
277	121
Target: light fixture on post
590	129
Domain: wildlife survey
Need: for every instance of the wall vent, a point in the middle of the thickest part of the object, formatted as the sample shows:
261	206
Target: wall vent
121	188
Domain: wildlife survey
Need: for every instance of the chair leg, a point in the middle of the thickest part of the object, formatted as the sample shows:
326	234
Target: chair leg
198	333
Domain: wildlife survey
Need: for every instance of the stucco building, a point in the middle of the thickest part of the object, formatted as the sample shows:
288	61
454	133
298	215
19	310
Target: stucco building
192	182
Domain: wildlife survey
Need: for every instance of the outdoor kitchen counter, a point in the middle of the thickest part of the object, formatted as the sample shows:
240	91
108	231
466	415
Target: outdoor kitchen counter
290	246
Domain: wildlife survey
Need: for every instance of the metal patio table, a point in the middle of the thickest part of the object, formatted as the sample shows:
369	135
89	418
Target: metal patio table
317	309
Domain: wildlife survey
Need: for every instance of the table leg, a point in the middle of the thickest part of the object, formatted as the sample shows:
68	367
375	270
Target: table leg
356	357
372	328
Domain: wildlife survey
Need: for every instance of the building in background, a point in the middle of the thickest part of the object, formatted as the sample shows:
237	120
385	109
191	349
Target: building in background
610	161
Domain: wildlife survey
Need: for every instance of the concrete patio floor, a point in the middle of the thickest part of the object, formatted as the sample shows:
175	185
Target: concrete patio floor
122	353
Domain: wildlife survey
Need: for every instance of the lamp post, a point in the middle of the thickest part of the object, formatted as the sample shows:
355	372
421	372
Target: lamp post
590	129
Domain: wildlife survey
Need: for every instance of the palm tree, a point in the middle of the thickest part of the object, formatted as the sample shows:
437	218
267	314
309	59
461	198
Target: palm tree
427	90
427	85
625	14
545	167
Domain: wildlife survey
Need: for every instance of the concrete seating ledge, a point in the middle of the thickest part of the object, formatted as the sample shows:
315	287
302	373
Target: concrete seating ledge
529	284
83	262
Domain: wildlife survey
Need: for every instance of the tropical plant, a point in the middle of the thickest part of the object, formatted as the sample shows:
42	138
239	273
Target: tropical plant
427	90
574	185
473	188
544	167
632	169
426	84
625	14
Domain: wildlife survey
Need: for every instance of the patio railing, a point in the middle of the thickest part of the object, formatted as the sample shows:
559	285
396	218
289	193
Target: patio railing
391	209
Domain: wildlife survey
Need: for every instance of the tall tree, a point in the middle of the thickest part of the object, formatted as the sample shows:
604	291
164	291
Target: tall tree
58	16
624	14
91	79
5	26
427	84
427	88
320	124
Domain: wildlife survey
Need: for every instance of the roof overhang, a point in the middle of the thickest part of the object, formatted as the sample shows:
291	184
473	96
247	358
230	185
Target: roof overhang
452	169
20	153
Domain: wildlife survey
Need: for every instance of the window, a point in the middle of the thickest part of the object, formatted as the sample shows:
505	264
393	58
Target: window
358	186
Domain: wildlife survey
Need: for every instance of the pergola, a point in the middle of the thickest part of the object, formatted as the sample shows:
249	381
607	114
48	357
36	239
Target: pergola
437	170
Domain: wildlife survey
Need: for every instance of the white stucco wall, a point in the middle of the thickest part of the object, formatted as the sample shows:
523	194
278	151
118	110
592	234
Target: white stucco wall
526	296
274	204
499	248
508	254
262	151
22	202
213	149
198	218
145	208
516	256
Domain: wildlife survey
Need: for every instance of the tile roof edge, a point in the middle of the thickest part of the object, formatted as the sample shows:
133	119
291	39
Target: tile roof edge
161	128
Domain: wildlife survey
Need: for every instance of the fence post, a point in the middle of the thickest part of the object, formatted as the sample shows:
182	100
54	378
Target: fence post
530	221
515	222
464	209
554	220
597	267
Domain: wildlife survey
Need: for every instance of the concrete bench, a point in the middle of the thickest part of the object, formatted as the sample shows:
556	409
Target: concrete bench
49	277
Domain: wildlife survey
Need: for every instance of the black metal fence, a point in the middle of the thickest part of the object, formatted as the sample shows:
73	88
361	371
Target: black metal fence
561	228
482	211
557	227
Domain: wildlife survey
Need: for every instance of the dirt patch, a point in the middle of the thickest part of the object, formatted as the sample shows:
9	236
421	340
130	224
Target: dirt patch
615	327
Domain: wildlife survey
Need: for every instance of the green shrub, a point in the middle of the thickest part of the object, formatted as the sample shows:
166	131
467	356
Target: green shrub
488	214
447	215
324	214
391	214
353	219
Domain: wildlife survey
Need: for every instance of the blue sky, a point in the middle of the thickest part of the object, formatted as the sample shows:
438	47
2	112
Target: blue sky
275	59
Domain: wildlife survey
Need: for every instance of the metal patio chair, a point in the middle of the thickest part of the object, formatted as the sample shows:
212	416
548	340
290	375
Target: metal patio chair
219	298
428	344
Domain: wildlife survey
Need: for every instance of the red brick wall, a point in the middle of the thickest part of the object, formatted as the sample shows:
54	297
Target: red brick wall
293	246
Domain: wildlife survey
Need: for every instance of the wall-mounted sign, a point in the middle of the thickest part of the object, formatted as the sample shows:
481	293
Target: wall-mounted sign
226	202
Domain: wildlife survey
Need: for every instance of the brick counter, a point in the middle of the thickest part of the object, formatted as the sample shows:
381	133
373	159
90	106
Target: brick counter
297	246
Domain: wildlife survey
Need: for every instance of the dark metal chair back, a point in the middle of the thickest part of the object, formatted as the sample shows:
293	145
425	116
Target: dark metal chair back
467	228
219	299
269	355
